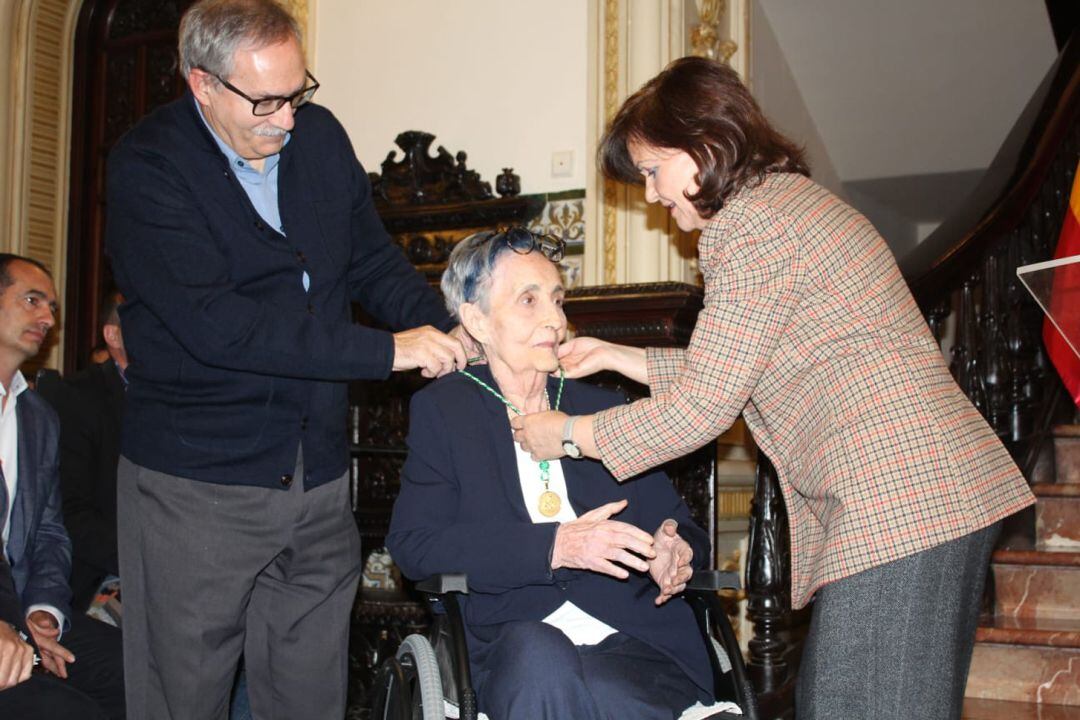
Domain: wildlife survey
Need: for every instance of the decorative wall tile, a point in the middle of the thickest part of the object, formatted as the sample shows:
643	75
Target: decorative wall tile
564	216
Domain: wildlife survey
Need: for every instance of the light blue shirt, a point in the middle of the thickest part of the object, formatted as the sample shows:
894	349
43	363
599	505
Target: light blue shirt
261	187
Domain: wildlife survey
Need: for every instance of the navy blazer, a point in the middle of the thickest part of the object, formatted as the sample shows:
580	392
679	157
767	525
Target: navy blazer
460	509
233	363
10	607
38	545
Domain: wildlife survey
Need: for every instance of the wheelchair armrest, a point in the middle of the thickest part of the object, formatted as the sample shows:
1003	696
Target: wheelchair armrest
444	583
712	580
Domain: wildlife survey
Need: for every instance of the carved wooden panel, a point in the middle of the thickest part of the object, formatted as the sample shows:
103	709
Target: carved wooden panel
125	66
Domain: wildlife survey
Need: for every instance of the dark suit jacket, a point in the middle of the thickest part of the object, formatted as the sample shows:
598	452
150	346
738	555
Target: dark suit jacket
233	364
460	509
10	608
91	407
38	545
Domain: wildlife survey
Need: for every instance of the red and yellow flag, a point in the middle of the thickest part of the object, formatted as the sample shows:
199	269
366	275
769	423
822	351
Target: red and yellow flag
1062	302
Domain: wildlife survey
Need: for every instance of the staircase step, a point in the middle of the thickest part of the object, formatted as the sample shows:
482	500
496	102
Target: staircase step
978	709
1049	632
1049	675
1067	453
1020	659
1037	583
1057	516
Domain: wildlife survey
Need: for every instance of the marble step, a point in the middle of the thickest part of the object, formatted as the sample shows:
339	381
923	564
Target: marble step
978	709
1047	632
1037	583
1067	453
1026	660
1057	516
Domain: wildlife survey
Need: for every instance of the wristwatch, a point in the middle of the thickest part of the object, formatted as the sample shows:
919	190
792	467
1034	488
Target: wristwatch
568	445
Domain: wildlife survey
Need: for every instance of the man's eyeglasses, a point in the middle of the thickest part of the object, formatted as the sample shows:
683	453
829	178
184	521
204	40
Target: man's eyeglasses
523	241
262	107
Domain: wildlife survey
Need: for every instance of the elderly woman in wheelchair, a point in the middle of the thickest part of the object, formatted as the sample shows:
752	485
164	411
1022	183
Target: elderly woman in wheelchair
574	580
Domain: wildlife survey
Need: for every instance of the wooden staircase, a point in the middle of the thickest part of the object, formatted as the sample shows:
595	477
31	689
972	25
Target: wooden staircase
1027	655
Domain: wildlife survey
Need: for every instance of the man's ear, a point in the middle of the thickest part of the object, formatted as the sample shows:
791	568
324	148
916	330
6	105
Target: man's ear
113	337
474	321
201	84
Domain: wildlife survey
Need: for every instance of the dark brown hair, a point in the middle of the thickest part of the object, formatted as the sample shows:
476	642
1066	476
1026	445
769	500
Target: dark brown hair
701	107
6	259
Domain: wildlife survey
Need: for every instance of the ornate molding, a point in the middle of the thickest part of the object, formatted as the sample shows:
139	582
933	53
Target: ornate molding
611	102
299	10
40	118
705	39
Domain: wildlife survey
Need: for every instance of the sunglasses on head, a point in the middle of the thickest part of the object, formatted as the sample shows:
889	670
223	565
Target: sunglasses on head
523	241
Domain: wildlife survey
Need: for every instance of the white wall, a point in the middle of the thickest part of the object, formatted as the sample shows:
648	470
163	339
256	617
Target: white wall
913	87
773	86
503	80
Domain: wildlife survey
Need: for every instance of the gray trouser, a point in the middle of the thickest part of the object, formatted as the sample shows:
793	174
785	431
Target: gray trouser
212	571
895	642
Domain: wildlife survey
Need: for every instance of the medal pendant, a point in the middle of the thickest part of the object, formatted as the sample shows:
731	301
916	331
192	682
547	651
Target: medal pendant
550	504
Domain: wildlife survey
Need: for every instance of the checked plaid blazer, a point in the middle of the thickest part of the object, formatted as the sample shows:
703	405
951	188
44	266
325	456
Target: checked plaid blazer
810	332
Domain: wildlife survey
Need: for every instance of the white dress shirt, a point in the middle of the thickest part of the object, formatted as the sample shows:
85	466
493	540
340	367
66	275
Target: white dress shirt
9	444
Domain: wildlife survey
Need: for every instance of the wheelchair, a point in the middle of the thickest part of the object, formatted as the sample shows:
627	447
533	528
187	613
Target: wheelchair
429	678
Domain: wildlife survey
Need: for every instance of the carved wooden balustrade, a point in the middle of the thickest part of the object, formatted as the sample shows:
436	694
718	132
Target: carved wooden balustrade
964	274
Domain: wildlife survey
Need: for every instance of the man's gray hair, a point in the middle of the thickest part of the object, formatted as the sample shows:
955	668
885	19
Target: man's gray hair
467	277
211	32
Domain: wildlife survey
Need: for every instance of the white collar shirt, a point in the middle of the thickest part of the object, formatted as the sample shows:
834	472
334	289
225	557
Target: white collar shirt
9	443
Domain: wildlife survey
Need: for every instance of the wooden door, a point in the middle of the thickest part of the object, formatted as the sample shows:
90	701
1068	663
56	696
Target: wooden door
125	66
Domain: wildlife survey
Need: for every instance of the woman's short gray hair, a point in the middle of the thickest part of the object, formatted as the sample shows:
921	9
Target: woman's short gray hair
467	277
211	32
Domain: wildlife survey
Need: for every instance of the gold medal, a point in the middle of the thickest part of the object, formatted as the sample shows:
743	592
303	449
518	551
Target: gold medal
549	504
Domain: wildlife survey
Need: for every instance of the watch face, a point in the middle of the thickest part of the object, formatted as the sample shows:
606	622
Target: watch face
571	449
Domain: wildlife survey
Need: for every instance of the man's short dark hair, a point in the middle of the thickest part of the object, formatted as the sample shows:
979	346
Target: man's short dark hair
7	258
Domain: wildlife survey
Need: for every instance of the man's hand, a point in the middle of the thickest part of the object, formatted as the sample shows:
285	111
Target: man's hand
473	351
54	656
670	568
16	657
593	542
434	352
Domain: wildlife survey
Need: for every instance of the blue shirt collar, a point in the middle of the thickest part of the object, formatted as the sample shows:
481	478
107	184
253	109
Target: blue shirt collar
237	163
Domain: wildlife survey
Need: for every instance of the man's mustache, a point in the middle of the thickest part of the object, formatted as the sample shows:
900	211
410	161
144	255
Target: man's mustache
269	131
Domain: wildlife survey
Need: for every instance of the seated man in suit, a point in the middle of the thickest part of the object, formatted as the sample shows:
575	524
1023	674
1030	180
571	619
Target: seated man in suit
24	695
35	541
572	610
90	404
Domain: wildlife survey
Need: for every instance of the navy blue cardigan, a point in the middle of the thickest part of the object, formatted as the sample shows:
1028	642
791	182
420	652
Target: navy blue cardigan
460	509
233	364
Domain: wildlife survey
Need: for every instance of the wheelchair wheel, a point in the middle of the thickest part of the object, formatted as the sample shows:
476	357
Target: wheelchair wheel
421	671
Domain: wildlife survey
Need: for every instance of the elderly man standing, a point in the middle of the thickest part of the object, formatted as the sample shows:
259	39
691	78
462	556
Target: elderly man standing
241	228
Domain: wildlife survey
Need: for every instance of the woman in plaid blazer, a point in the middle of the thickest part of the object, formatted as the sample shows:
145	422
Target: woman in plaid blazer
895	485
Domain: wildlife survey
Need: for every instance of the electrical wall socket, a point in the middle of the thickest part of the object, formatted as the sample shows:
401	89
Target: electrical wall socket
562	163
